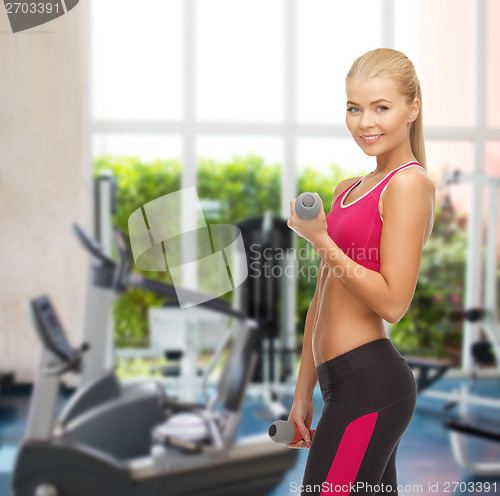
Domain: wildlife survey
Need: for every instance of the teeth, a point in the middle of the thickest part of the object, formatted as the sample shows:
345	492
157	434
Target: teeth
371	137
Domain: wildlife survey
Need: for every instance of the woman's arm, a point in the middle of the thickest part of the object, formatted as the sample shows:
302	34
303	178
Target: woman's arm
306	381
408	219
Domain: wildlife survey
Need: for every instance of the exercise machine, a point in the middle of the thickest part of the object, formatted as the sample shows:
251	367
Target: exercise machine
268	295
429	370
97	323
85	456
477	353
175	332
181	337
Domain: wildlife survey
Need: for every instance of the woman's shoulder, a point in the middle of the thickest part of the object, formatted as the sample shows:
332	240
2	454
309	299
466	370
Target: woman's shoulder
412	176
412	185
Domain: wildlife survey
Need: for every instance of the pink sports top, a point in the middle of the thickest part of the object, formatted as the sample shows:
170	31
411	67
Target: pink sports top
356	227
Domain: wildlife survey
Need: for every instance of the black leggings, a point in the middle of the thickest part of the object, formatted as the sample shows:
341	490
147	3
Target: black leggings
370	396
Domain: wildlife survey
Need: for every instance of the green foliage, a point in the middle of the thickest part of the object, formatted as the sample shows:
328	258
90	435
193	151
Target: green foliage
246	187
431	321
137	184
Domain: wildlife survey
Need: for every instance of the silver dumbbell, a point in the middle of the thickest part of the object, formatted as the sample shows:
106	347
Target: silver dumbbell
308	205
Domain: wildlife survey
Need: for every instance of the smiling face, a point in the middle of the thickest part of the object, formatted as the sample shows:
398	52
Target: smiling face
379	117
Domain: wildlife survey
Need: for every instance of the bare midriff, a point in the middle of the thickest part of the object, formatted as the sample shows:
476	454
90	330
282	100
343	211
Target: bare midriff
342	321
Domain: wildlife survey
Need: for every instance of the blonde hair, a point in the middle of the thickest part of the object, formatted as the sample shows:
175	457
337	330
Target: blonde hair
396	65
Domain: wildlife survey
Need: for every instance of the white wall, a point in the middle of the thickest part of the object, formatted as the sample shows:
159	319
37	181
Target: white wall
45	182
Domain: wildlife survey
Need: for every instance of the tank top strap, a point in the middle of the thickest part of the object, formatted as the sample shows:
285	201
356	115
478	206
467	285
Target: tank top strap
377	191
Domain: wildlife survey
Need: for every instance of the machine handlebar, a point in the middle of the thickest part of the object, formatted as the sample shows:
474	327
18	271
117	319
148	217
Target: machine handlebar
92	246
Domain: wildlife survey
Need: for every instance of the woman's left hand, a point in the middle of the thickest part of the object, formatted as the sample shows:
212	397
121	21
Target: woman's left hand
311	230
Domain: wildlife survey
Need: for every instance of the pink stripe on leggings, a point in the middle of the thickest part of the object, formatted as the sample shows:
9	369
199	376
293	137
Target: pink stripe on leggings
349	455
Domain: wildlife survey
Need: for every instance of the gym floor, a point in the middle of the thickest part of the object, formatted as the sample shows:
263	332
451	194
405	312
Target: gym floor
425	462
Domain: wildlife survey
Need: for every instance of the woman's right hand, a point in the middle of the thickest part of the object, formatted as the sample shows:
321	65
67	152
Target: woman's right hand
301	415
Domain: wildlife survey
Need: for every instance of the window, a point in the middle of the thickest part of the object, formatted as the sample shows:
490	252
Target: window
197	79
215	73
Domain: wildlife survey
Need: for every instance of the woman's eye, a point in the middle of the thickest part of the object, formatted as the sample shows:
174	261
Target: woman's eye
354	109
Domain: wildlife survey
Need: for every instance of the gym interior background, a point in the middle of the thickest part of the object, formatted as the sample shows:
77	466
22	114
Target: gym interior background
245	100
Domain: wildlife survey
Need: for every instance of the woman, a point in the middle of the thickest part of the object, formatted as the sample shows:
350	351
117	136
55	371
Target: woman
370	246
